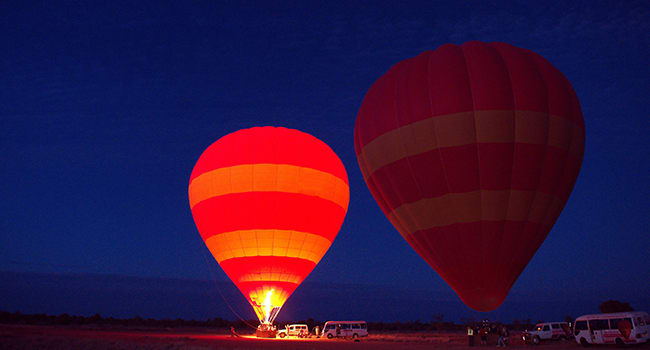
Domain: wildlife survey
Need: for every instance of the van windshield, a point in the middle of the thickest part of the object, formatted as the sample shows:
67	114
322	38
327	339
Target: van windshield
581	325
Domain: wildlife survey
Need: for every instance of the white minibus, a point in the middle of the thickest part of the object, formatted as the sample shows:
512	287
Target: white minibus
618	328
354	329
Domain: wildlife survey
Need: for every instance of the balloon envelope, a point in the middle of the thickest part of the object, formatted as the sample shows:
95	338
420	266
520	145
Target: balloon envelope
471	152
268	202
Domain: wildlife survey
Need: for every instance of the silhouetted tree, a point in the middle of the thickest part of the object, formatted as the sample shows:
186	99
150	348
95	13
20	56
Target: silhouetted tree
96	319
63	319
614	306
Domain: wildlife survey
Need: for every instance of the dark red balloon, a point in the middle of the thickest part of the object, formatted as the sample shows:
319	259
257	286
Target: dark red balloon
472	151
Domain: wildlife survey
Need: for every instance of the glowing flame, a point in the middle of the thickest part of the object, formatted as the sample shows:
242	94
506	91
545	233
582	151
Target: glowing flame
267	303
267	307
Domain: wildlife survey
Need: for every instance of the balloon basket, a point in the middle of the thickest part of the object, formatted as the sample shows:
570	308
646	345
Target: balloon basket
265	333
266	330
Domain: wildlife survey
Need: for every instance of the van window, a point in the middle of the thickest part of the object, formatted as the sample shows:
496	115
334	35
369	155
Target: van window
615	321
363	326
604	324
581	325
356	326
596	325
546	328
329	326
555	326
345	326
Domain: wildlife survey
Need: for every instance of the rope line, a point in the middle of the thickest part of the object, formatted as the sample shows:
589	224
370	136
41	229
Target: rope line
214	279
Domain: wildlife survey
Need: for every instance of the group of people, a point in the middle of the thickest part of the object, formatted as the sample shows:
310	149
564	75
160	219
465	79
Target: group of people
483	332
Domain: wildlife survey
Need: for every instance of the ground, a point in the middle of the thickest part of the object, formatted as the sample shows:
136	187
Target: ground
81	337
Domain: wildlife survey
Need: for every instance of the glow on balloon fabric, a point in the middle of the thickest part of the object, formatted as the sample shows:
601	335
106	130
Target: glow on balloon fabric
268	203
472	151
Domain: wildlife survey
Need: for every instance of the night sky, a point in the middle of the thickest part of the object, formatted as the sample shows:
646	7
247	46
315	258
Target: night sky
106	106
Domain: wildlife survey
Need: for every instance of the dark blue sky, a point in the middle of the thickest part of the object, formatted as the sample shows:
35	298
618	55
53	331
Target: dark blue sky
106	106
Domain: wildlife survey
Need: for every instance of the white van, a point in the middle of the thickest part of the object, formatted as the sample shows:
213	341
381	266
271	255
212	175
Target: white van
294	330
618	328
546	331
354	329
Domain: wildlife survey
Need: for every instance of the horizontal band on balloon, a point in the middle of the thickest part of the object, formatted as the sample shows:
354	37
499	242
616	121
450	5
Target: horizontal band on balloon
287	243
267	269
268	210
522	127
492	246
269	178
474	76
270	145
468	207
468	168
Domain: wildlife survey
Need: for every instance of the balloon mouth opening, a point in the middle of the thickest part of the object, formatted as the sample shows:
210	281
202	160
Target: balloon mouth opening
267	309
482	301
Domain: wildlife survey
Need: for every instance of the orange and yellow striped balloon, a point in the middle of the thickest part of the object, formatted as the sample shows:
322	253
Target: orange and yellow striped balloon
268	203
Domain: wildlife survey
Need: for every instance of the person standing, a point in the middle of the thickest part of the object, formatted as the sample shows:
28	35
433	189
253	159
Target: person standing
500	341
483	334
470	335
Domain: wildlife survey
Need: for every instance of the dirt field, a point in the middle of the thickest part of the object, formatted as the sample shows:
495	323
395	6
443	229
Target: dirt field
62	337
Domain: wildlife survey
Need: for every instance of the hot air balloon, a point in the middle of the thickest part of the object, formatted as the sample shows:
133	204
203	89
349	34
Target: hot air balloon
471	152
268	202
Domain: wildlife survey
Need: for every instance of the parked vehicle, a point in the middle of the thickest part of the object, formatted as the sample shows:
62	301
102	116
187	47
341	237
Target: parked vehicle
354	329
547	331
294	330
618	328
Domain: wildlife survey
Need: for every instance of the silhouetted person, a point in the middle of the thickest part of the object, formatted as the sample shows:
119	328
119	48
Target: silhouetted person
503	337
470	336
232	332
483	334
